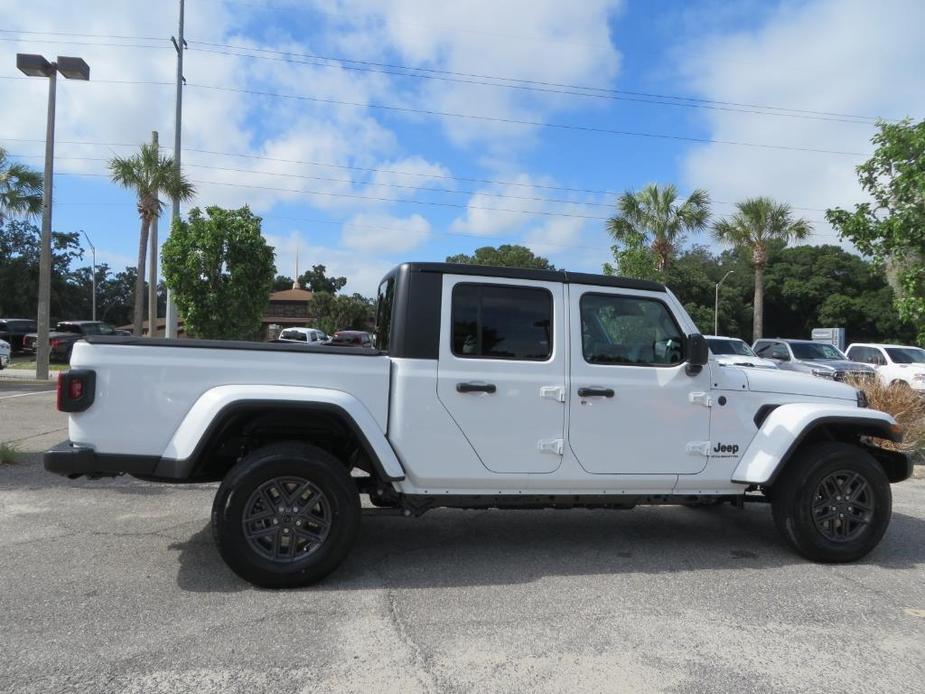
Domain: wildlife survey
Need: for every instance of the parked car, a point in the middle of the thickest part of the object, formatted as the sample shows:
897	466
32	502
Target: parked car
303	335
731	351
489	388
894	364
4	354
352	338
816	358
13	330
61	340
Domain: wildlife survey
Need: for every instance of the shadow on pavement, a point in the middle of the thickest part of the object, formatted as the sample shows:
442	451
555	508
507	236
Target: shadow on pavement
450	548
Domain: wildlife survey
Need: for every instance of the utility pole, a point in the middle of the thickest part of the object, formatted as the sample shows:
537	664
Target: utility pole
152	267
170	320
93	274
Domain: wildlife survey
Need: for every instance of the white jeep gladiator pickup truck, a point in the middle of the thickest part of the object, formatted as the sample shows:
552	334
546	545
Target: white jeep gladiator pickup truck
488	387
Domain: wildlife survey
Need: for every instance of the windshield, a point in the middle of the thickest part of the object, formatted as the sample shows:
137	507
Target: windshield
730	347
810	351
906	355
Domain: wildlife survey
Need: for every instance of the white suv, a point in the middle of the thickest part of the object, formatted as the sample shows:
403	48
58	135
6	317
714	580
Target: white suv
307	335
4	354
895	364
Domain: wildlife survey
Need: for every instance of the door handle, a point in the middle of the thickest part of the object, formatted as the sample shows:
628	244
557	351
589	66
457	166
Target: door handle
595	392
475	388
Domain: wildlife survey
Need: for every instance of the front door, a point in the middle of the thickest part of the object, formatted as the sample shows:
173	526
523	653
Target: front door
633	408
501	372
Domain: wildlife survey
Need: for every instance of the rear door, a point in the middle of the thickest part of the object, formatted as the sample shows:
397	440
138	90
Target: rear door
633	408
502	369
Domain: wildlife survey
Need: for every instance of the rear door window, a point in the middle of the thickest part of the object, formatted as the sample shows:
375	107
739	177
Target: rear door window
491	321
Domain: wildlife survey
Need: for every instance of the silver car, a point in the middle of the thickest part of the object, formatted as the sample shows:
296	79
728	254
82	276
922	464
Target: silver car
817	358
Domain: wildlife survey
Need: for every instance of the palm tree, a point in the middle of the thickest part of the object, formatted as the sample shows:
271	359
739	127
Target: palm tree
149	175
20	188
757	223
654	216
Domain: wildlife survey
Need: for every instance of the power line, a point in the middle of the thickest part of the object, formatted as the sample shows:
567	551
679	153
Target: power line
495	119
528	85
500	196
475	78
516	121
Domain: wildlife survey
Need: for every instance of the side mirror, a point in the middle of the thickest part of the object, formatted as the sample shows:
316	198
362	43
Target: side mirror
698	353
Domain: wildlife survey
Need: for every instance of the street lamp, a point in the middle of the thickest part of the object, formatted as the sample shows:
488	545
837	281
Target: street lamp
93	274
72	69
716	303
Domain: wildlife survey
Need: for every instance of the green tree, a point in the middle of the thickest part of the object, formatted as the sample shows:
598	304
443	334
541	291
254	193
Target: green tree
282	283
891	228
654	217
20	188
342	312
757	223
506	255
317	281
149	175
826	286
220	269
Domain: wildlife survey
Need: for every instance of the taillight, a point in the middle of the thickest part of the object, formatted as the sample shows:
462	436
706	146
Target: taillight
76	390
55	343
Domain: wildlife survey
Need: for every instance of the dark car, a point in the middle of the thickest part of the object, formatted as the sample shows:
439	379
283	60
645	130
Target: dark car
351	338
816	358
61	340
14	330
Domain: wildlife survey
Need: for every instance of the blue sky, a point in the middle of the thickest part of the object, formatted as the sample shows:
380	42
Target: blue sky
361	165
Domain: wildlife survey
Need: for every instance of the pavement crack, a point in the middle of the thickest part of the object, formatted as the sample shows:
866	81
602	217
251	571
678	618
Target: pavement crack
423	672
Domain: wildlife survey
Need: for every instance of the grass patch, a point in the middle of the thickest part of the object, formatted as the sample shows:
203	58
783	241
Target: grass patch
9	454
28	363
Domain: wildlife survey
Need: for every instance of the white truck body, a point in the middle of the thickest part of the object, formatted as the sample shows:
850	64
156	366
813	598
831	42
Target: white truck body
561	410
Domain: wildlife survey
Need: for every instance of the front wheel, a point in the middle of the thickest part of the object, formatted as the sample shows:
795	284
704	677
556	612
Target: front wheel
286	515
832	503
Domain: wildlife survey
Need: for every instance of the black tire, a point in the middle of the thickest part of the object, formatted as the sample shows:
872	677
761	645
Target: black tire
330	514
832	503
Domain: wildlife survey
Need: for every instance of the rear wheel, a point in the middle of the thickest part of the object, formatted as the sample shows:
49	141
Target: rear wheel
286	515
832	503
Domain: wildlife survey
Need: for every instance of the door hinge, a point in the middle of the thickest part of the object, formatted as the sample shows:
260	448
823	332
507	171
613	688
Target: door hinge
698	448
701	398
555	446
556	393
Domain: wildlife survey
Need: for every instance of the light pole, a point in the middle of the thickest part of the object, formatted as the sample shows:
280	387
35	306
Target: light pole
74	69
716	303
93	275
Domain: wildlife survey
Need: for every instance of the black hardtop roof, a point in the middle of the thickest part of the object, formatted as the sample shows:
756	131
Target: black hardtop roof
563	276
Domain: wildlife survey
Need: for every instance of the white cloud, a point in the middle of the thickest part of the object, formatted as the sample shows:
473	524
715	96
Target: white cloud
541	40
363	271
850	57
384	233
523	205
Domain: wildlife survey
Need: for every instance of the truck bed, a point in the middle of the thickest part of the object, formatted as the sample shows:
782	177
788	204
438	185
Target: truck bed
146	386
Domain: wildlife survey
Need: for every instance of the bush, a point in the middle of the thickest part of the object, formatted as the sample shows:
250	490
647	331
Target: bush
8	454
907	407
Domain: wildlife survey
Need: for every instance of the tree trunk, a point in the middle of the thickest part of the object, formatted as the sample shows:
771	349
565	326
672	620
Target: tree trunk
758	322
152	281
140	278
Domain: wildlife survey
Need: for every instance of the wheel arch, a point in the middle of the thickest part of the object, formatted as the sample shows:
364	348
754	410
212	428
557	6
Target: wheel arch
225	415
789	428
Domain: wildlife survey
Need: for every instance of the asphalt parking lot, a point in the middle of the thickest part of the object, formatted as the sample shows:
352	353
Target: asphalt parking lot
115	586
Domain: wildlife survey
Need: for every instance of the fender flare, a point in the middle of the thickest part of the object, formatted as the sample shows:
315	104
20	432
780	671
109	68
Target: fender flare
787	426
215	405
